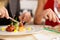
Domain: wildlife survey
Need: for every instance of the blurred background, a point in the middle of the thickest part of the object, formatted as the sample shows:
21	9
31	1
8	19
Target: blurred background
28	4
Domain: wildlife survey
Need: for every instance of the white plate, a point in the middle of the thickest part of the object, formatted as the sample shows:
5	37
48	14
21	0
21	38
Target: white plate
35	29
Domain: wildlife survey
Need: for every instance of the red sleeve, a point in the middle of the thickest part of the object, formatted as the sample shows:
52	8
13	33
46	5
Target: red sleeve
49	4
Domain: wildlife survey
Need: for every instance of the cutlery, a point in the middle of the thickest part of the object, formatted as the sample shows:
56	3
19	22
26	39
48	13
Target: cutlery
17	21
13	19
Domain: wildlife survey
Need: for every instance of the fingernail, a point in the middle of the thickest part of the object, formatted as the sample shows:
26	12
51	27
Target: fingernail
23	21
7	17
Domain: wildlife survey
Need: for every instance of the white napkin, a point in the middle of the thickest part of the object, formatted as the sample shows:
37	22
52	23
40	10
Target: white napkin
45	37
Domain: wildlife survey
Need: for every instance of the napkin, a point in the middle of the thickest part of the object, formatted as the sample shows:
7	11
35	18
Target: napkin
45	37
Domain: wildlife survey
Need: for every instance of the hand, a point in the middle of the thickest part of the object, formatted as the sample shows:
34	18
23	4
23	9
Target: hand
25	17
49	14
4	13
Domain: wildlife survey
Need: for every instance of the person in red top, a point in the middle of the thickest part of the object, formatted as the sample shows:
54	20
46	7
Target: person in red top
45	9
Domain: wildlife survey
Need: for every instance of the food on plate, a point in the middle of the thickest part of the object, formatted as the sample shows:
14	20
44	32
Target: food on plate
29	28
22	29
10	28
3	29
15	30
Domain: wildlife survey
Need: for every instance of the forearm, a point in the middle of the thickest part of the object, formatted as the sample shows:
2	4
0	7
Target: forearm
39	10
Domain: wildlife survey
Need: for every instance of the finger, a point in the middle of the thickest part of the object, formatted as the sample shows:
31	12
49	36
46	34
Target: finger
50	12
50	17
2	12
24	19
0	15
46	12
20	18
6	14
54	17
46	17
57	19
26	16
27	19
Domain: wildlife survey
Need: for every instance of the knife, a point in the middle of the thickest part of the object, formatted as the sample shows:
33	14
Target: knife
13	19
17	21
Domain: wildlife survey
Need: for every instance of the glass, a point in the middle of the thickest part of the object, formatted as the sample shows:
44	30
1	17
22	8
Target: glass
57	7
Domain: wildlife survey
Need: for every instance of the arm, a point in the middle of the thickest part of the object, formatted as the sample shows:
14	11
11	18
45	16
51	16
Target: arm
47	13
37	19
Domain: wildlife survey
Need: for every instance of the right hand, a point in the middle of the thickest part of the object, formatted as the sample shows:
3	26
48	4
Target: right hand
25	17
4	13
49	14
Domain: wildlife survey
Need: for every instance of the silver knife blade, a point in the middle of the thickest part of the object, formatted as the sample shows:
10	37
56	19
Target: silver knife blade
13	19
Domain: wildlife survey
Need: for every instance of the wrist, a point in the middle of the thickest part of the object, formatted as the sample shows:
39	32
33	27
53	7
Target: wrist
38	19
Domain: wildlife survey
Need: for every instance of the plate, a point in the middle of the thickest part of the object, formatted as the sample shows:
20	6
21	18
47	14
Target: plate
35	29
52	30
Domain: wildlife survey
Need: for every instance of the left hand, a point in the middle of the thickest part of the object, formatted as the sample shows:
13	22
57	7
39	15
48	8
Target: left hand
25	17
